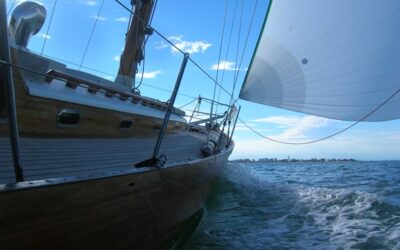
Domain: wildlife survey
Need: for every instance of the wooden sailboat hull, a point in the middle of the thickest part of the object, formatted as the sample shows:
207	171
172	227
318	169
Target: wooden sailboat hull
136	211
71	200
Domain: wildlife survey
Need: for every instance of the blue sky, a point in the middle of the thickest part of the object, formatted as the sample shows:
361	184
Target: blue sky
196	27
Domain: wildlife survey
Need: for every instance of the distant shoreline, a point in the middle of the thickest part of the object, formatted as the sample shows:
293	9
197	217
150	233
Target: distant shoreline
291	160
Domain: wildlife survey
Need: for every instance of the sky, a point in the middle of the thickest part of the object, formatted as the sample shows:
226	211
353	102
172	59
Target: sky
197	27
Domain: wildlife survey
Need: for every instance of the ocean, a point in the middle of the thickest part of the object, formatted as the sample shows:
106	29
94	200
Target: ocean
313	205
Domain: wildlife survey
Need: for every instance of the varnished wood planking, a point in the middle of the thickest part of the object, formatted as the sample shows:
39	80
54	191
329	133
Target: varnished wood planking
44	158
37	117
107	213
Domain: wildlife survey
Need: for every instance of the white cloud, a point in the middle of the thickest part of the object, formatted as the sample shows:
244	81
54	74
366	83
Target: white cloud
190	47
161	45
367	145
91	2
223	65
362	144
282	120
117	58
242	127
122	19
295	127
44	36
148	75
100	18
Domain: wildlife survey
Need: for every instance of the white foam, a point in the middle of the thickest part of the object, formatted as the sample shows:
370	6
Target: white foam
349	216
332	218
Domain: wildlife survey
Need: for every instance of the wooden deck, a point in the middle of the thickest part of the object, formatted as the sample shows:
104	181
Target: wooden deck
45	158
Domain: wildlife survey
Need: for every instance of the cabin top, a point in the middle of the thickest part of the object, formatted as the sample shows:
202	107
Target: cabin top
48	78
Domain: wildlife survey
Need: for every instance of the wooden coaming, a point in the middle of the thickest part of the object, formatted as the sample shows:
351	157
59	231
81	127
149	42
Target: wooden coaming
37	118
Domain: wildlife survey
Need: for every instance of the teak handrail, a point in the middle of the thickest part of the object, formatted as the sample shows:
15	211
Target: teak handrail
93	87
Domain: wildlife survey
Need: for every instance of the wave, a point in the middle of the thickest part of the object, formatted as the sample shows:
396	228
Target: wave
352	219
248	210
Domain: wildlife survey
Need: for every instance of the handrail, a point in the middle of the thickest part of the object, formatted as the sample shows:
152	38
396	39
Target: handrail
216	102
93	87
209	119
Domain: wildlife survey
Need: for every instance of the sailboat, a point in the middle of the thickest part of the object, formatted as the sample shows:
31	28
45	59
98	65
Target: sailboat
88	163
336	59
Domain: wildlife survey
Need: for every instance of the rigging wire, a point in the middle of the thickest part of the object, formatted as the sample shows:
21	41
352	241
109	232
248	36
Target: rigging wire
48	27
177	48
219	56
326	137
237	49
130	20
152	13
192	101
244	48
228	47
12	5
91	34
112	75
63	80
216	82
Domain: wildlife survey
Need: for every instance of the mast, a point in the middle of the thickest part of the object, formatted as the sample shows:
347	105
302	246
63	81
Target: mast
132	54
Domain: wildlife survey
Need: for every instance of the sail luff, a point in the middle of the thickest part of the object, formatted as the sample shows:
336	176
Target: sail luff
257	45
337	59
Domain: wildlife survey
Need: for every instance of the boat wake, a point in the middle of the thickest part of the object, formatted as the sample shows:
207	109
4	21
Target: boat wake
248	210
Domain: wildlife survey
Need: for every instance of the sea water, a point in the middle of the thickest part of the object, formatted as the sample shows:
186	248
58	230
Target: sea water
309	205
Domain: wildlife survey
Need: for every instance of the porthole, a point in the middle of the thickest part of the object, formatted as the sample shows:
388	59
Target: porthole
68	118
125	124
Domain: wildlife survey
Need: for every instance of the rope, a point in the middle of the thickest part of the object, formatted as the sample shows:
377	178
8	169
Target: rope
91	34
48	27
144	48
326	137
143	64
176	47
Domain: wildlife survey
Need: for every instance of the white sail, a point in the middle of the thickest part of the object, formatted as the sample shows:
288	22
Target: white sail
333	58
